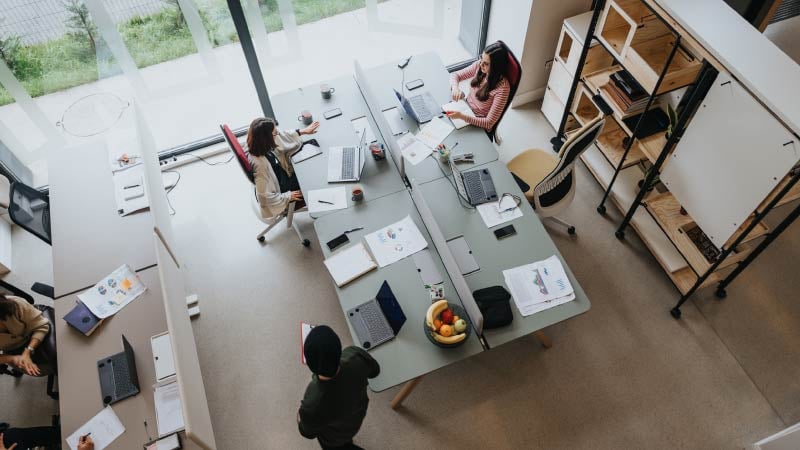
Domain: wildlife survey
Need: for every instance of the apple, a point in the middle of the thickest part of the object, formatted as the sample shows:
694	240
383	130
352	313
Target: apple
447	316
460	326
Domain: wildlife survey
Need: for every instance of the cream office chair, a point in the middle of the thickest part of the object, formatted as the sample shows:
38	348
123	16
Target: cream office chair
288	215
552	176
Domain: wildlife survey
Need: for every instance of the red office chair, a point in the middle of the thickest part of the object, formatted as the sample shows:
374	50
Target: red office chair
513	76
247	168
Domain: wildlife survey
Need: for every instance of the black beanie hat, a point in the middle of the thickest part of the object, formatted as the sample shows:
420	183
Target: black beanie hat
323	349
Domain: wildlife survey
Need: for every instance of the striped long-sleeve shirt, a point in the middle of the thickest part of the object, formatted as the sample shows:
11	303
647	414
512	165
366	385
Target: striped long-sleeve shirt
487	112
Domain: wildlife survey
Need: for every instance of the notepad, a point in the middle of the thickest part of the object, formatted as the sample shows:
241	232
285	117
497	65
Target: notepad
350	263
461	106
308	151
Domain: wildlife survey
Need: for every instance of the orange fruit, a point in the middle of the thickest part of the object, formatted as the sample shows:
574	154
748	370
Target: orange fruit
446	330
455	319
437	324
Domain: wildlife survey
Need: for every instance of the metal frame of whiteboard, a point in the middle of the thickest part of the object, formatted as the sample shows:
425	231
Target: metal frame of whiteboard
731	157
196	416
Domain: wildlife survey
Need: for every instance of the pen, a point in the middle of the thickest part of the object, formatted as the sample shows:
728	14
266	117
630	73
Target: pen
454	146
323	201
354	229
132	186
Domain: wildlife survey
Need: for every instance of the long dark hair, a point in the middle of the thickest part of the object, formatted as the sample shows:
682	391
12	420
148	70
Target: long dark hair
8	307
259	137
498	68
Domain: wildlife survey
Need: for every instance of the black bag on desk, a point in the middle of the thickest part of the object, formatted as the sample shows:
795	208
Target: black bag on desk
495	306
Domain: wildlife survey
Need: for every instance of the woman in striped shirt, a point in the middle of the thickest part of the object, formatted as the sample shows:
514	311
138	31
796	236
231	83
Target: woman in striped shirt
489	88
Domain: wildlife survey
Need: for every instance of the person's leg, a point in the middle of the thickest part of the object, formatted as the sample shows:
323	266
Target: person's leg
32	437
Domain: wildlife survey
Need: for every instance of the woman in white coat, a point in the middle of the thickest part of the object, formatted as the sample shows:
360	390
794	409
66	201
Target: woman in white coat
270	155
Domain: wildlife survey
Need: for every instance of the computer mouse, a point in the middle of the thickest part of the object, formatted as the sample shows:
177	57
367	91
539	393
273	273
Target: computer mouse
106	399
367	344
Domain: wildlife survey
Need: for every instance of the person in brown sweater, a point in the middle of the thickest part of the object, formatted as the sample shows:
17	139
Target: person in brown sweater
22	329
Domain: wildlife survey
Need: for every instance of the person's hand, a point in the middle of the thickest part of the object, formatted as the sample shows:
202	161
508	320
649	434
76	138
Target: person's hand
25	363
296	196
457	94
311	129
85	443
13	446
456	115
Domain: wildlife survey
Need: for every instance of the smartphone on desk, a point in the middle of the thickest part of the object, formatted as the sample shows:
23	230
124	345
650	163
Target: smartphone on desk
505	232
337	241
332	113
414	84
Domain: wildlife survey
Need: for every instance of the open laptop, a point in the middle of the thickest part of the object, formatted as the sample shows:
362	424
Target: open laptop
346	163
476	186
118	378
422	107
378	320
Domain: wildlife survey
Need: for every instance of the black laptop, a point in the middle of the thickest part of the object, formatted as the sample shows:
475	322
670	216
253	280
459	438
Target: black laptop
118	378
378	320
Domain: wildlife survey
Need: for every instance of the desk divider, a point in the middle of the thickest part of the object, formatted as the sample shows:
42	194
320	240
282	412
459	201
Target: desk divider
449	261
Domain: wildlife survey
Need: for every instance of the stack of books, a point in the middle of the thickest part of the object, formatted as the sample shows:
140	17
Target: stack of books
628	95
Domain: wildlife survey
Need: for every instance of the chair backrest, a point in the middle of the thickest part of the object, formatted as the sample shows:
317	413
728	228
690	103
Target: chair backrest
513	76
238	151
30	209
558	187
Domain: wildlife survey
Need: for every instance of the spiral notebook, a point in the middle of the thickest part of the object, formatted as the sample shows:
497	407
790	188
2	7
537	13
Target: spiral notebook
350	263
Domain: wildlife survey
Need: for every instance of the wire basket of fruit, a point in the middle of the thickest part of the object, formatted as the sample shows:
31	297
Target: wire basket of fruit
446	324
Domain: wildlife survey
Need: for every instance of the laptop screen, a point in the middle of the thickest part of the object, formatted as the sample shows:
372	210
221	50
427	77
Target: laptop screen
462	191
391	309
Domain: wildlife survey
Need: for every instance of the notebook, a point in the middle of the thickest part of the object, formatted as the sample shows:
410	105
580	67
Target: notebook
462	106
82	319
350	263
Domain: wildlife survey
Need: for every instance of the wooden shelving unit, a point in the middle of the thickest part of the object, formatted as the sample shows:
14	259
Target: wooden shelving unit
639	37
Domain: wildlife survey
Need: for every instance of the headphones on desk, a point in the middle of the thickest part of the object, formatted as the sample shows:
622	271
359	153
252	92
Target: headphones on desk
517	201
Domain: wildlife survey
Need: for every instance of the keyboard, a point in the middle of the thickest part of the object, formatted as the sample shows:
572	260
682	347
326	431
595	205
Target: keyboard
473	185
418	103
348	163
122	379
375	323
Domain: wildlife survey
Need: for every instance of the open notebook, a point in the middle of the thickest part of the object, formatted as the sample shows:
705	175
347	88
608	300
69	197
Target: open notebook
350	263
462	106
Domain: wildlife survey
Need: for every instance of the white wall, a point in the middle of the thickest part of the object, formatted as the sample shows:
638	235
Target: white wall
508	22
786	35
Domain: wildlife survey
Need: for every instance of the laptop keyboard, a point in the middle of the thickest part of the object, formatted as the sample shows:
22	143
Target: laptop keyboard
473	185
418	103
375	322
348	163
122	380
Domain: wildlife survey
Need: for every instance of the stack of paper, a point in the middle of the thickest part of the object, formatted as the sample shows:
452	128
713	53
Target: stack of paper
539	286
395	242
348	264
412	149
461	106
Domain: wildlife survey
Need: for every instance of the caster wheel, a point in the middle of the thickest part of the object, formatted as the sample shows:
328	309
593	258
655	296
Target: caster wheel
306	242
721	293
619	234
601	210
262	239
571	230
675	312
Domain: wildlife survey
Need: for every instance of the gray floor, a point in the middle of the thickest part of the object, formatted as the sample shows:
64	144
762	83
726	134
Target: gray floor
623	375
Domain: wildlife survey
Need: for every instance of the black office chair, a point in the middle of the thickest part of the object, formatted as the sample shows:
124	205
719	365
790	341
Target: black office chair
553	177
30	209
513	76
46	352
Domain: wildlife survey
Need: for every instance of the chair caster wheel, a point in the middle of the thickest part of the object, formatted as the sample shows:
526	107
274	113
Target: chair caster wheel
619	234
306	242
675	312
601	210
721	293
571	230
262	239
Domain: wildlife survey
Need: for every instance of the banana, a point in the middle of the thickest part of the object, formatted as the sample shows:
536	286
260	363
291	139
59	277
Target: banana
433	312
449	340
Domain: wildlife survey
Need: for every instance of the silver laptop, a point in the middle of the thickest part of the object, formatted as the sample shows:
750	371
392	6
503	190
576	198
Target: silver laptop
476	186
421	107
346	163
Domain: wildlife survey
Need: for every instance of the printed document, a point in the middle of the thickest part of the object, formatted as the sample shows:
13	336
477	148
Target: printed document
113	292
434	132
539	286
329	199
461	106
412	149
105	428
395	242
494	213
169	412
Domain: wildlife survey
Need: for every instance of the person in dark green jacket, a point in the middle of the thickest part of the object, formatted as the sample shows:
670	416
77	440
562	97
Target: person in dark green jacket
335	402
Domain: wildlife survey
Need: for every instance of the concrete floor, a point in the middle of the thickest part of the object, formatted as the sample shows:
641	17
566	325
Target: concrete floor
623	375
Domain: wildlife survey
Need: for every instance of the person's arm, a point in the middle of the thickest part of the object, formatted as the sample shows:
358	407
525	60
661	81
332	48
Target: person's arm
463	74
305	424
3	445
499	102
373	368
34	321
269	196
